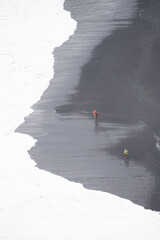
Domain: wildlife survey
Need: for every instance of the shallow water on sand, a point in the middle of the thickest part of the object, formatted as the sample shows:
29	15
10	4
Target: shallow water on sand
73	147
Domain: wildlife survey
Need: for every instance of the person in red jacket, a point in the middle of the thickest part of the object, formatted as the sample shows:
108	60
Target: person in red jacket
96	115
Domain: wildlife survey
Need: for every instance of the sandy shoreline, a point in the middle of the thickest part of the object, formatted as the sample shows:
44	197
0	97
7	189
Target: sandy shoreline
69	145
38	204
121	81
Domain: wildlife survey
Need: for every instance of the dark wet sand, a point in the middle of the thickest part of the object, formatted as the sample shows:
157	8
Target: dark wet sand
121	81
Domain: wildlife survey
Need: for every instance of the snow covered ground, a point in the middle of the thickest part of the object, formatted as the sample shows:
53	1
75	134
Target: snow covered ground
35	204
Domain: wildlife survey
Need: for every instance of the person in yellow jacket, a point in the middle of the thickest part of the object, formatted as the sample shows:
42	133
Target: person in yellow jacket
126	153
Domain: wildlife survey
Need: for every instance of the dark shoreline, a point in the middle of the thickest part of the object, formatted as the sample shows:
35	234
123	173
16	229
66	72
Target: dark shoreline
120	79
122	82
116	81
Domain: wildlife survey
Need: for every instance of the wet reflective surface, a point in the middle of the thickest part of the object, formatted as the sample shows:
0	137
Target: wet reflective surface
117	80
77	149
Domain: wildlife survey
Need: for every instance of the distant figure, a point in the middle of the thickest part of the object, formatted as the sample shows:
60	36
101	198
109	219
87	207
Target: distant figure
96	115
126	153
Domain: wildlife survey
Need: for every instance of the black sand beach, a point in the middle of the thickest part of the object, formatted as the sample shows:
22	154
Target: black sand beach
121	81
